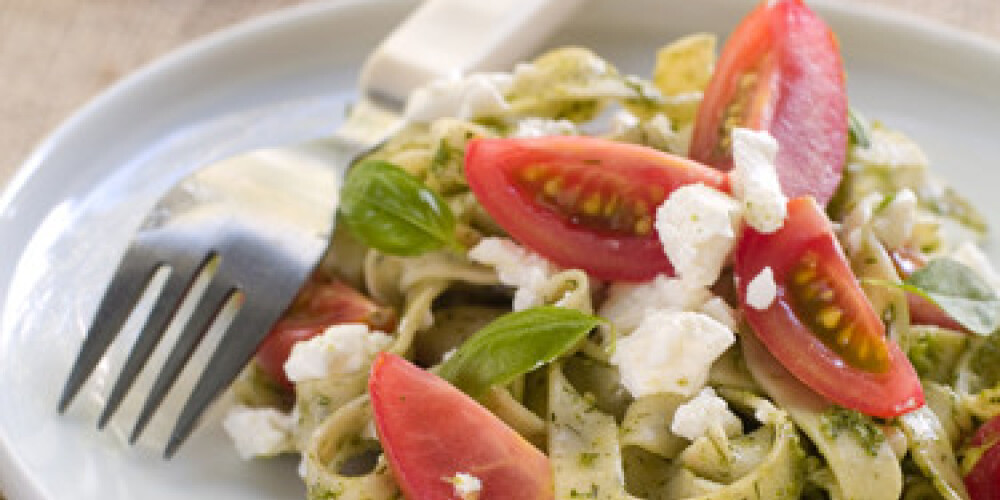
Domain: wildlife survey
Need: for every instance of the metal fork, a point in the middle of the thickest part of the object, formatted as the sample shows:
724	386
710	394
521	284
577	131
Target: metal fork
261	221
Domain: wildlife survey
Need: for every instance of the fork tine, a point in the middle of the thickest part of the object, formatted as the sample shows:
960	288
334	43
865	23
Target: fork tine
182	276
235	350
207	310
133	275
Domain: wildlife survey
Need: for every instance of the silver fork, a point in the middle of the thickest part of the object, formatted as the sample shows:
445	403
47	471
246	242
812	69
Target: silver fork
261	221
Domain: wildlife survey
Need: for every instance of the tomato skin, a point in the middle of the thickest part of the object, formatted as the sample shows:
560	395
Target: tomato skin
799	97
983	481
431	431
890	393
492	167
322	302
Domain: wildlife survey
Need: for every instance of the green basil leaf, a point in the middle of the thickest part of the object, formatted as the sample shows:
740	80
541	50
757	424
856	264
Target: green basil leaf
515	344
393	212
957	290
858	130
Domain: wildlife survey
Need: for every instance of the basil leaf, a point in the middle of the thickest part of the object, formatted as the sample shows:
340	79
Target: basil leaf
393	212
957	290
515	344
858	130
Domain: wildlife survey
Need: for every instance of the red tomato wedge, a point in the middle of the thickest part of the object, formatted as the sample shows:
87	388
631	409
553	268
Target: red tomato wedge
583	202
430	431
322	302
780	71
821	326
983	481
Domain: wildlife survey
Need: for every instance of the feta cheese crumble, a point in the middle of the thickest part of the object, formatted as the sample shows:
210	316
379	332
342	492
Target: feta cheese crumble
672	352
516	267
628	303
544	127
755	180
259	432
719	310
697	226
762	290
696	417
473	96
341	349
467	486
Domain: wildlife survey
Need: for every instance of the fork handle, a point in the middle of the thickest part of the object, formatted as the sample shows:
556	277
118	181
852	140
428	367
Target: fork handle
449	38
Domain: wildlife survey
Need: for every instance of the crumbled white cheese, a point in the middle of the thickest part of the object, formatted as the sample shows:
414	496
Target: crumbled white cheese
544	127
467	486
971	255
755	180
762	290
341	349
694	418
624	124
259	432
719	310
628	303
697	226
476	95
516	267
670	352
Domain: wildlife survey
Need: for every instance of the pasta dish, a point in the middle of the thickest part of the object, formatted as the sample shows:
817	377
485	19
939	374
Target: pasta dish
722	282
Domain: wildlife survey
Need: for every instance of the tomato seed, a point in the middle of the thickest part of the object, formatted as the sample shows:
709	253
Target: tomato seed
814	300
644	226
532	173
551	187
592	205
830	316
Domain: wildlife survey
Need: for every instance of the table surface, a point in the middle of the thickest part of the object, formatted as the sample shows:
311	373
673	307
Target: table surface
57	54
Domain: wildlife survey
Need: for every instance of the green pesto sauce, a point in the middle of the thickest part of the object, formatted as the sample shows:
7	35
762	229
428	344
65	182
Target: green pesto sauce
838	420
985	361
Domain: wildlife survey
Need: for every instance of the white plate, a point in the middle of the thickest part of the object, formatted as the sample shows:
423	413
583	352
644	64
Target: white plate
67	215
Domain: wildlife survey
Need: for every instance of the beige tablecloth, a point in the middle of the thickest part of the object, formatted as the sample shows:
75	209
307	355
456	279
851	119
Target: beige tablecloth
56	54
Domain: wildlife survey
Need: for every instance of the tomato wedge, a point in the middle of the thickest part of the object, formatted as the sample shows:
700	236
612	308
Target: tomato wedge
821	326
983	481
582	202
780	71
430	431
322	302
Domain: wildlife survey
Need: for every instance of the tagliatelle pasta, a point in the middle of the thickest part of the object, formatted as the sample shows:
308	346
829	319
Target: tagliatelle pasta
601	440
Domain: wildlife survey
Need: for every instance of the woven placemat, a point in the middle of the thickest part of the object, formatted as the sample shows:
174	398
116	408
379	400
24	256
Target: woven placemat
57	54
